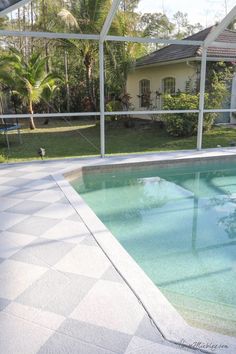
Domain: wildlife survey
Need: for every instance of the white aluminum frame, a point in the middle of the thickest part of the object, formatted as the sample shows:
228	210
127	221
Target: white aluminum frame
210	41
202	98
212	36
49	35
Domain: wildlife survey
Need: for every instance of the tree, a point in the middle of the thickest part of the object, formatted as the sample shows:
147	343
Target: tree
219	78
156	24
86	16
129	5
183	26
27	79
120	56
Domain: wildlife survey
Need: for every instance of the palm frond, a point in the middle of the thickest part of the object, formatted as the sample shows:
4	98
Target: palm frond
6	78
34	91
50	79
69	20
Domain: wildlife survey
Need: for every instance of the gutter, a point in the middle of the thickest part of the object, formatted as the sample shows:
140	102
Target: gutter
165	63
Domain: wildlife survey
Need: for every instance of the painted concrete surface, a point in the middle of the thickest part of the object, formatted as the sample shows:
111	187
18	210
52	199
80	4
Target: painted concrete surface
59	293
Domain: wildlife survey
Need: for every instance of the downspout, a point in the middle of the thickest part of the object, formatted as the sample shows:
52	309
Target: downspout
190	65
194	67
233	100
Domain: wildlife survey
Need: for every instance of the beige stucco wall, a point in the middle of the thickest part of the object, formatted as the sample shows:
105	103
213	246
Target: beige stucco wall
180	71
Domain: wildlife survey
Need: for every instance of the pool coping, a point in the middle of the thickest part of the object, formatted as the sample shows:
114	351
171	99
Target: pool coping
166	318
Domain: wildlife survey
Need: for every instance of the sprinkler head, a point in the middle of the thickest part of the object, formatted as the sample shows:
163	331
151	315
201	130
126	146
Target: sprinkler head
41	152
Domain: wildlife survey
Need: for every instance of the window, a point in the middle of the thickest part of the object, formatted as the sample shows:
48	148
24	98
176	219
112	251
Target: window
144	93
168	85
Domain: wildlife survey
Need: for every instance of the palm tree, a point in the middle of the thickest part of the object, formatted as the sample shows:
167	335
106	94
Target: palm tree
27	79
85	16
88	16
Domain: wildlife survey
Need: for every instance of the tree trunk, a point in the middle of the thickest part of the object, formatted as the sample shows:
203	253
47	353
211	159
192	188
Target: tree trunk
88	80
32	27
88	62
19	29
46	45
32	125
67	81
89	86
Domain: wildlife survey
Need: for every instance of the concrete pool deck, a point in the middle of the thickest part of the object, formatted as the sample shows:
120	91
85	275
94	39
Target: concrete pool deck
59	292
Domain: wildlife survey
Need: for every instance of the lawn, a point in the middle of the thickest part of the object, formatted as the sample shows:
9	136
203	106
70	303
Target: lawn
81	138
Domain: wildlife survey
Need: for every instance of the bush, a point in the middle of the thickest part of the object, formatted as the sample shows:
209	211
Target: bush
113	106
185	124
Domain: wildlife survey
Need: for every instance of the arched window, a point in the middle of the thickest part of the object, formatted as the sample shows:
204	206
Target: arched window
144	93
168	85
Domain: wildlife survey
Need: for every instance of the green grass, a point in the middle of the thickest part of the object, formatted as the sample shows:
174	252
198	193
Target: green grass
82	138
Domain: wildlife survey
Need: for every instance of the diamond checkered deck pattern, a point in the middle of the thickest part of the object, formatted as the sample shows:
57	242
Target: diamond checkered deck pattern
58	291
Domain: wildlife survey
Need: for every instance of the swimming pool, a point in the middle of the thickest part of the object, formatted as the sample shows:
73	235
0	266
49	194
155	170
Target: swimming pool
179	224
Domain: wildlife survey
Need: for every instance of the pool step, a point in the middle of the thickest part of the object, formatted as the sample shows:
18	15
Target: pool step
204	314
209	322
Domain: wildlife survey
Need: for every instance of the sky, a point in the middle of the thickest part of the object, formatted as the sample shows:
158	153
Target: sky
207	12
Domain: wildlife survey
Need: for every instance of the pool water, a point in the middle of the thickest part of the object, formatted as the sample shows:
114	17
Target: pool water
179	224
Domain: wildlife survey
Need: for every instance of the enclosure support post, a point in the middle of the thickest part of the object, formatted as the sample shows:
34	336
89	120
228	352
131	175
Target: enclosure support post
202	98
103	34
102	99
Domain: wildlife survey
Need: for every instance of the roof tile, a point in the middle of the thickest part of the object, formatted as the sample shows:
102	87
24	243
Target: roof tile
177	52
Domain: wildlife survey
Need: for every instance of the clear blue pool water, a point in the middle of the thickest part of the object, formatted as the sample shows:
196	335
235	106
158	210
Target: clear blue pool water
179	224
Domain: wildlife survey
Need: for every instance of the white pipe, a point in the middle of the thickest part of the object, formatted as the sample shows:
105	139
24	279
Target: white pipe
103	34
49	35
153	40
220	110
109	19
50	115
202	98
102	99
122	113
95	37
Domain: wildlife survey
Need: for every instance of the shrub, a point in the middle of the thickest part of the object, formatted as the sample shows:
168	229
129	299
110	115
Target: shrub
185	124
113	106
219	79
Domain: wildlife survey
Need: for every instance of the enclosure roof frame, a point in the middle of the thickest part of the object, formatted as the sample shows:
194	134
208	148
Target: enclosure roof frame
103	36
107	24
213	35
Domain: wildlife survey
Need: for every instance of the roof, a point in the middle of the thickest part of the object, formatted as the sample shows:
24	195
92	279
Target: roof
175	52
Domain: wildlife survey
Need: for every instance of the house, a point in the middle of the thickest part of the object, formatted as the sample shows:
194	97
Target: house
177	68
